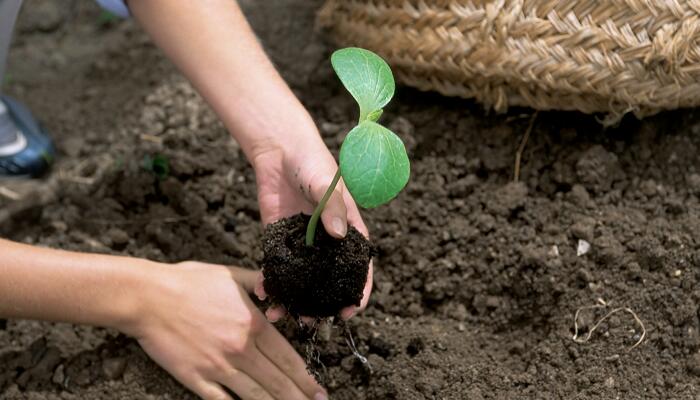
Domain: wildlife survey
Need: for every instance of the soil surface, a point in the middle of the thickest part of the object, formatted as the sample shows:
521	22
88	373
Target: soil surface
313	281
478	277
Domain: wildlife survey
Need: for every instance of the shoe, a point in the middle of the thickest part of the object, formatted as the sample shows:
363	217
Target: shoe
29	152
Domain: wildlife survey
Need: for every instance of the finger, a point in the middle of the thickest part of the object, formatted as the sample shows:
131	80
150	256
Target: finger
260	288
266	374
247	278
368	286
348	312
335	214
277	350
210	391
244	386
275	313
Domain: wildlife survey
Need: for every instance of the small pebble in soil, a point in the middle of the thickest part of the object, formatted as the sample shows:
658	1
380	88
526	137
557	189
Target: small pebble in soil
59	375
553	251
583	247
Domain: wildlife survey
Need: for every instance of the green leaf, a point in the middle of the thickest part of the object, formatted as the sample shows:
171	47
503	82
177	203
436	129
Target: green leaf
374	164
366	76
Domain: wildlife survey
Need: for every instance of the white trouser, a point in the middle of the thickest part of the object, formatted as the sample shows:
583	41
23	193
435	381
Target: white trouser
8	14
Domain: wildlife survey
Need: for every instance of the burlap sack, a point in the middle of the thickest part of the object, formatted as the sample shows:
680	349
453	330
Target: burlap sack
610	56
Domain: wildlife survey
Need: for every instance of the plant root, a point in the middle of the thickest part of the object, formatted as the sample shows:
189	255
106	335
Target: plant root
312	355
319	330
351	344
521	148
603	304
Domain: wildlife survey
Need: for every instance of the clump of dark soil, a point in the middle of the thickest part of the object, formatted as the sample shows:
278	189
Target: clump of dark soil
318	280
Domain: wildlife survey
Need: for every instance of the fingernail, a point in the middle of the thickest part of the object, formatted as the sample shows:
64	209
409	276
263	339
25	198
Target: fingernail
347	314
271	316
320	396
340	227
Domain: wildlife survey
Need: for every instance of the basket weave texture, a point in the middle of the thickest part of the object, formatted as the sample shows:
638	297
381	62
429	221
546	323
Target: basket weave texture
609	56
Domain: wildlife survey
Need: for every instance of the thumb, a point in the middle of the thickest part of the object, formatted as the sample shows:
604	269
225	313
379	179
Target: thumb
335	214
247	278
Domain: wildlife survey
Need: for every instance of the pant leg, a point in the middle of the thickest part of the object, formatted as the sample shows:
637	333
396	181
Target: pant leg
8	14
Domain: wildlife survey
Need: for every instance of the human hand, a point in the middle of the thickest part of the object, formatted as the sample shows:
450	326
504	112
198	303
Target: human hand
200	325
293	179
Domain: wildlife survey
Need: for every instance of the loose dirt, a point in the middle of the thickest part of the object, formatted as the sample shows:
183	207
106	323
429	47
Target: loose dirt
477	278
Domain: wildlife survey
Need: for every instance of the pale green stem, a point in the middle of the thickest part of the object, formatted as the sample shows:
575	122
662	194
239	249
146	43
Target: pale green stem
311	228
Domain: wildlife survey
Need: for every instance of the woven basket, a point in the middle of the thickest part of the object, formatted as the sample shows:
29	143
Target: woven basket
609	56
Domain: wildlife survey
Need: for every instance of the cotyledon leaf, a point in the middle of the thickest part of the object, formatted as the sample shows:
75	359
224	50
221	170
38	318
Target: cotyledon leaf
374	164
367	77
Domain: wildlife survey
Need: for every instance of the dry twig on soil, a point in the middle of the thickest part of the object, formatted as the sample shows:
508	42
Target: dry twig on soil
37	199
600	321
521	148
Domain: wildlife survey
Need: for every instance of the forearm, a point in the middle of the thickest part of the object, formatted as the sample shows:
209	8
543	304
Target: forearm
54	285
213	45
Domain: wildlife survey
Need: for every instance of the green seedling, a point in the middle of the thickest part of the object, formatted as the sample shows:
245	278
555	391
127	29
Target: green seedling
158	165
373	160
106	18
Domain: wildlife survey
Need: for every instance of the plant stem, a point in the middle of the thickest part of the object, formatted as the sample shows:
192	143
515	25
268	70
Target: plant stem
311	228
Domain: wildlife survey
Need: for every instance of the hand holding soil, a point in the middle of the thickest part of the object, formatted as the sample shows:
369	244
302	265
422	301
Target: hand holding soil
290	182
317	278
201	326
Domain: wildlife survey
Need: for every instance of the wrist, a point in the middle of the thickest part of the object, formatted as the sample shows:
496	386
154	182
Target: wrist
288	135
291	145
142	283
282	124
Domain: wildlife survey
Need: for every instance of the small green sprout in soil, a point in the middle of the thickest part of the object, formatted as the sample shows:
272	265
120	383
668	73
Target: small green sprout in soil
106	18
373	160
307	271
158	165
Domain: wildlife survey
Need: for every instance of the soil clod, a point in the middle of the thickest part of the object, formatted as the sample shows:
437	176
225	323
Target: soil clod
319	280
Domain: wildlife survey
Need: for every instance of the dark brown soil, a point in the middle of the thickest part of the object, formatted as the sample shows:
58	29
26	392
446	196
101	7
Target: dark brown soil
477	278
315	281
